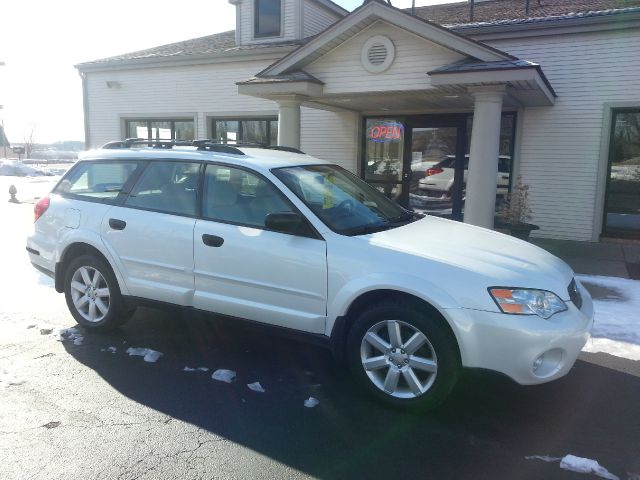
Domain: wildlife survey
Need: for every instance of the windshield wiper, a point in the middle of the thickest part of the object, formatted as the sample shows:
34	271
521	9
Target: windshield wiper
369	228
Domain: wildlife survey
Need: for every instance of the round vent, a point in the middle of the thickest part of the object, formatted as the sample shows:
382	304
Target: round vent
377	54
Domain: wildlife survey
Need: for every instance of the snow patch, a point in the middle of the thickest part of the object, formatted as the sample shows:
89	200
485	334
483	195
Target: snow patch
148	355
223	375
15	168
616	329
110	349
256	387
311	402
61	334
586	465
577	464
200	369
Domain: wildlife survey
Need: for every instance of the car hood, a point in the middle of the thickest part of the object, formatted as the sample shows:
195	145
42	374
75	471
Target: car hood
487	258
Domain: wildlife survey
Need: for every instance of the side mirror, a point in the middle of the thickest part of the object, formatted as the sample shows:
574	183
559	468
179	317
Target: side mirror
288	222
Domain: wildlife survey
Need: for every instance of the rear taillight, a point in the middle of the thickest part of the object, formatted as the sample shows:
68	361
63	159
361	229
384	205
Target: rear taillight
40	208
434	171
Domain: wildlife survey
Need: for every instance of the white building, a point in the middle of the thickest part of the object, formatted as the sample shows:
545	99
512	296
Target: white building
551	95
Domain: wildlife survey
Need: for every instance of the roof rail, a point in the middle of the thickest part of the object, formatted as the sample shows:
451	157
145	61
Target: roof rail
203	144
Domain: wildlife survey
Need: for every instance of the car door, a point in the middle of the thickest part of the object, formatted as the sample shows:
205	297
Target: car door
245	270
151	234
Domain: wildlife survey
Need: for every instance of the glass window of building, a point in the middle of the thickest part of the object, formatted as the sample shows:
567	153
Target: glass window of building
262	131
268	18
161	129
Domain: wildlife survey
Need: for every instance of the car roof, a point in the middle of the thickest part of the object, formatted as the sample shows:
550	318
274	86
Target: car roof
261	159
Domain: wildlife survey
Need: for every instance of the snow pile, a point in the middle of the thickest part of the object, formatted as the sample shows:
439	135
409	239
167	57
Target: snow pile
110	349
577	464
62	334
311	402
256	387
223	375
15	168
149	355
585	465
616	329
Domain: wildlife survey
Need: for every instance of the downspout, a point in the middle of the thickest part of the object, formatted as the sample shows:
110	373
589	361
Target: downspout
85	109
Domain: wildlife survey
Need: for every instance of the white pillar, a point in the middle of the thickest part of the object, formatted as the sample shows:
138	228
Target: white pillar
289	122
482	177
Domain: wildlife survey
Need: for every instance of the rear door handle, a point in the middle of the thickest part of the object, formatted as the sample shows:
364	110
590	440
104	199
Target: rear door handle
212	240
117	224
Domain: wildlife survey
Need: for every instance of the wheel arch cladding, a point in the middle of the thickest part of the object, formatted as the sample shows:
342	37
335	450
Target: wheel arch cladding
343	324
72	251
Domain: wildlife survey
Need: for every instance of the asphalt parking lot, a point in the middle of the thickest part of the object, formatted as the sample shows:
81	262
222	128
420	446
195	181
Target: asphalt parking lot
82	412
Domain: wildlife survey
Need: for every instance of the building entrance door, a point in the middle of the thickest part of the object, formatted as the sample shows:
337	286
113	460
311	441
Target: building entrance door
418	161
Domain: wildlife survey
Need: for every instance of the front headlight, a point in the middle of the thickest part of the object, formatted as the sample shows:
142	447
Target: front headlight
521	301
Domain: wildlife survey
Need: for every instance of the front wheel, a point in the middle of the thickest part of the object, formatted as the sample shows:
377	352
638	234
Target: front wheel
93	296
403	355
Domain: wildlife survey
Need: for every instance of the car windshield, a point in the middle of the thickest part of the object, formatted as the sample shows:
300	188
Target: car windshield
344	202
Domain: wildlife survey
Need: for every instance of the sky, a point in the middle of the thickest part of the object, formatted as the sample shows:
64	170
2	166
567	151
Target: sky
42	40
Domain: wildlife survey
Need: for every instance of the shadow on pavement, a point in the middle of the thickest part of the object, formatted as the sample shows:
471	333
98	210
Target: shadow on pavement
485	429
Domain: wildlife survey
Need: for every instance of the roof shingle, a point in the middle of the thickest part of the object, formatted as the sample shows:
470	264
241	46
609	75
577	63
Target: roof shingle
497	10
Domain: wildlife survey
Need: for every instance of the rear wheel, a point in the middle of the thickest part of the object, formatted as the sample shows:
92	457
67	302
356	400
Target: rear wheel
403	355
93	296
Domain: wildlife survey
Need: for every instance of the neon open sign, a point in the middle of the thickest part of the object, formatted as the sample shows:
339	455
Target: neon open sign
386	132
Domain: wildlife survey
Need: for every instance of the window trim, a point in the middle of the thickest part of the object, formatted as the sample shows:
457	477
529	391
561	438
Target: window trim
257	35
267	118
313	232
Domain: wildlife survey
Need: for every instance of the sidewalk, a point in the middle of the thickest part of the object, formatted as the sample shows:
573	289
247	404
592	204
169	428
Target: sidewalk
596	258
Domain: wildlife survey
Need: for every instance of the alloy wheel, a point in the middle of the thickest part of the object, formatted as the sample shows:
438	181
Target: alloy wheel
399	359
90	294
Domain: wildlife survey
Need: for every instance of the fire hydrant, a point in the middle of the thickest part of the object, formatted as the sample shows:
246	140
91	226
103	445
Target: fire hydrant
12	191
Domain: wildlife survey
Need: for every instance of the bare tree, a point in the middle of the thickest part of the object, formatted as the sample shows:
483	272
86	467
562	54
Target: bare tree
29	141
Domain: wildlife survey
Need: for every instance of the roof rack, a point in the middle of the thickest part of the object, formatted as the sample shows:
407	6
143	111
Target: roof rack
205	144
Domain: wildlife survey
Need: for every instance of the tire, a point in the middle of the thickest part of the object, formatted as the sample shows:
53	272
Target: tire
94	301
421	379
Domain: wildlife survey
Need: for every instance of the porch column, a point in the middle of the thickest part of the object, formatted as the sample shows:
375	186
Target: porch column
289	121
483	156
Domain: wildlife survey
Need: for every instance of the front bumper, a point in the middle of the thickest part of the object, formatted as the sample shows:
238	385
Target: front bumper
527	348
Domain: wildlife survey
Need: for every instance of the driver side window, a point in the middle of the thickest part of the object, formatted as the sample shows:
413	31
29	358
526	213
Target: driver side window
234	195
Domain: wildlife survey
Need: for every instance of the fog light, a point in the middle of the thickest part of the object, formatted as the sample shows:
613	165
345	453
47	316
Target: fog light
548	364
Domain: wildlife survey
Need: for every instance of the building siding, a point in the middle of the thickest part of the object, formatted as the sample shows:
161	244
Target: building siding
331	136
560	148
317	18
342	70
197	92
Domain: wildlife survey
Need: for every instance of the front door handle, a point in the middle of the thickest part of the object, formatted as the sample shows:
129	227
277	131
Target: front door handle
117	224
212	240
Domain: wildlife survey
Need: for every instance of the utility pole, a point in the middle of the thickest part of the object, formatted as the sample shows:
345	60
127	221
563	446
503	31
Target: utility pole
471	5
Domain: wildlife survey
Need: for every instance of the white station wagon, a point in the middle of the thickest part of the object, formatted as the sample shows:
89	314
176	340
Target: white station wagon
284	239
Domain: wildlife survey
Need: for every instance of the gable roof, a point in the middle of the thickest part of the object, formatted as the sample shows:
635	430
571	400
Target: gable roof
218	44
498	10
368	13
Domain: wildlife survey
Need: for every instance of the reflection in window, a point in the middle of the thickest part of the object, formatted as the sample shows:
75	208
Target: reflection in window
102	181
622	216
267	15
384	147
261	131
161	129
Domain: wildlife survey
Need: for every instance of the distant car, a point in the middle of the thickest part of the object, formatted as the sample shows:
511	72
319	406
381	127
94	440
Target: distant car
294	242
439	178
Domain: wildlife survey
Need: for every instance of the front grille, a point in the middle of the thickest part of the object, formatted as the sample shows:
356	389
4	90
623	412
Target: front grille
574	294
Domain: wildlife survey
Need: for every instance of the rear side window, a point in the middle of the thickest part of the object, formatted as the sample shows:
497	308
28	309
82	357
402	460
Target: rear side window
167	187
101	181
